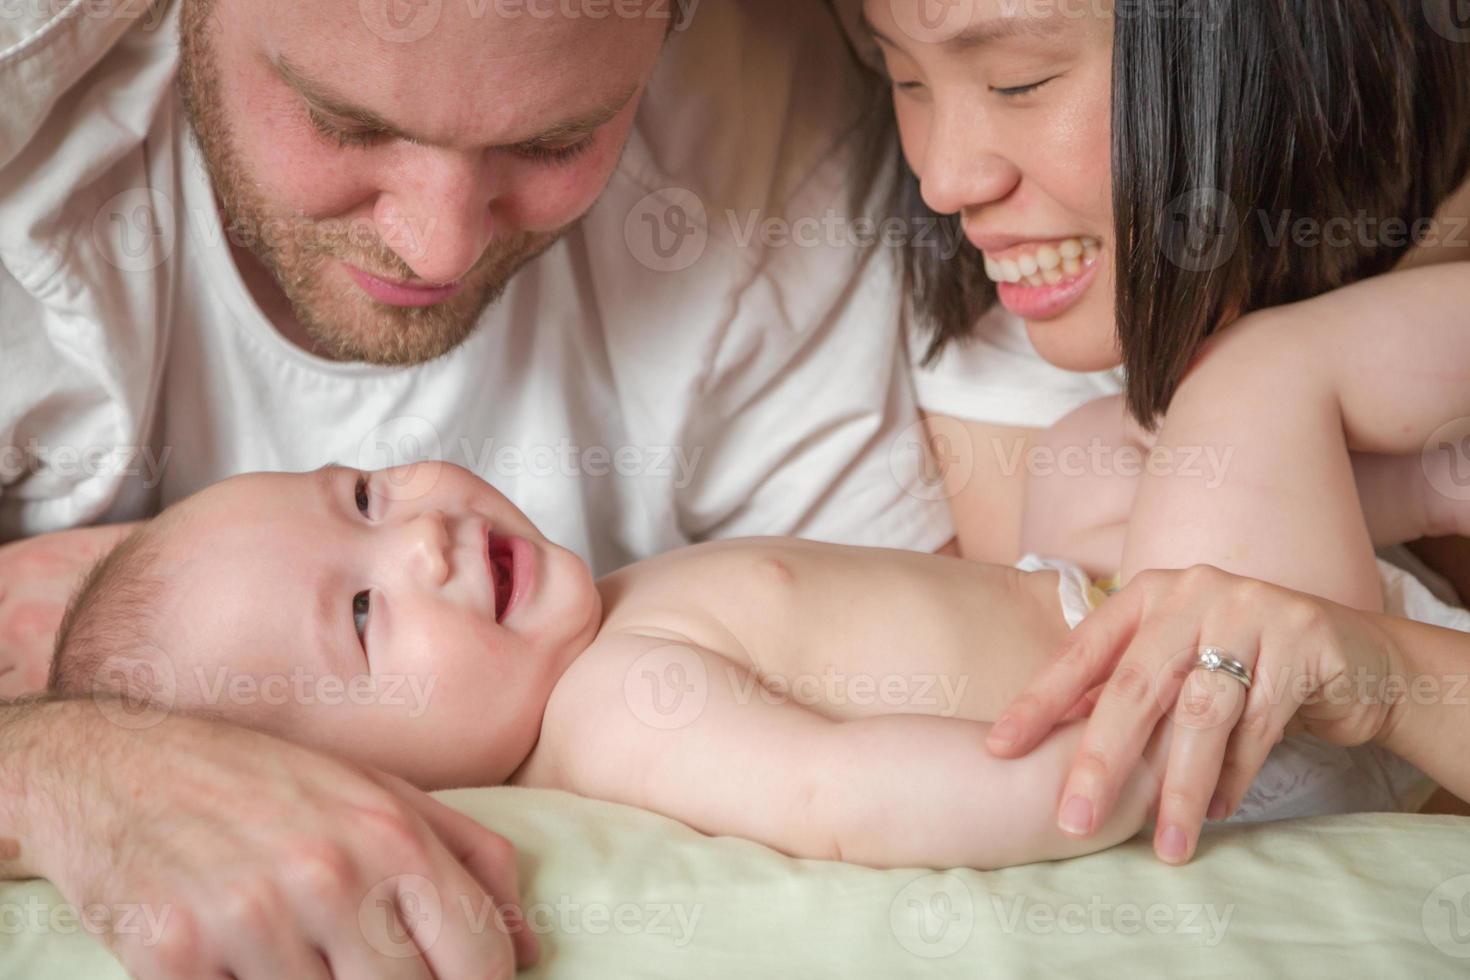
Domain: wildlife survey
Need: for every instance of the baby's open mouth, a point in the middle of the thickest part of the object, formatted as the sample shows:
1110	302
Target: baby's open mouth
502	572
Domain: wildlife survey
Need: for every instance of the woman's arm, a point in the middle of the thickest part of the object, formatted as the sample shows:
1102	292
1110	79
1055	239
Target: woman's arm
1282	392
980	469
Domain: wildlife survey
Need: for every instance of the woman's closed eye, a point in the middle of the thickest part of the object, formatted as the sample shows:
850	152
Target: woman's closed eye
1012	91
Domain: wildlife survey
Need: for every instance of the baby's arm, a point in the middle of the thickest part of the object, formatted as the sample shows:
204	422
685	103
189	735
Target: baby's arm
1374	367
667	726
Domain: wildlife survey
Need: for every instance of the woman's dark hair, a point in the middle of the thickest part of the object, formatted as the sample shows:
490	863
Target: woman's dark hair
1228	129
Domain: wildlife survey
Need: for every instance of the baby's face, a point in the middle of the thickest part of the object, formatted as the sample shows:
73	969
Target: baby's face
413	618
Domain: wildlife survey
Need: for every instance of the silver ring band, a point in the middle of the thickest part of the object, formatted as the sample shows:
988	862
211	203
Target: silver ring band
1215	659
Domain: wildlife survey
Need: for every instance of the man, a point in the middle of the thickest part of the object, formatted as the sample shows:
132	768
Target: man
592	254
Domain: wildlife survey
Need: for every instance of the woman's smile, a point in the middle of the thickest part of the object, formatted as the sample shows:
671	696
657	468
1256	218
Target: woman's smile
1038	280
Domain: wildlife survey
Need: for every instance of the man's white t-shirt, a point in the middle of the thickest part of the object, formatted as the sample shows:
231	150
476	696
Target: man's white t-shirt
710	353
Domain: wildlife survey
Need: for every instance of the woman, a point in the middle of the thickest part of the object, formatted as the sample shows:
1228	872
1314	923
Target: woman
1133	184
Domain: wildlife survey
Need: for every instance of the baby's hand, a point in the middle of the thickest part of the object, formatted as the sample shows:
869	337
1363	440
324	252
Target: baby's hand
37	578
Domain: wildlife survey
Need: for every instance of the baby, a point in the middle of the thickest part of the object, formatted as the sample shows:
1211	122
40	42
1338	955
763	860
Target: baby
830	702
827	701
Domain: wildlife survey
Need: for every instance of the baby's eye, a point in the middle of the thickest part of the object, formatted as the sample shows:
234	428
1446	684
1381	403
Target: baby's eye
360	606
361	495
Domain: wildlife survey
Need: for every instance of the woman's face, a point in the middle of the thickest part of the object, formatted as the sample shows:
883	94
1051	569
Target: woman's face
1003	113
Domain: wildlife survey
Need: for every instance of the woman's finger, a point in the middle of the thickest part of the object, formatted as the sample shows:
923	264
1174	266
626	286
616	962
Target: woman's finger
1143	686
1087	657
1083	708
1209	704
1269	715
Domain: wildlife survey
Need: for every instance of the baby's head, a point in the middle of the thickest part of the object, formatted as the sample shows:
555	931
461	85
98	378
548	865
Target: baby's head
412	619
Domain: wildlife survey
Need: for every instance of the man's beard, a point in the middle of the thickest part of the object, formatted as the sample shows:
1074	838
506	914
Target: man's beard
342	320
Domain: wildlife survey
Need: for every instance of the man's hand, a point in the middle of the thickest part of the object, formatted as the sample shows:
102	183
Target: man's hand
37	577
257	858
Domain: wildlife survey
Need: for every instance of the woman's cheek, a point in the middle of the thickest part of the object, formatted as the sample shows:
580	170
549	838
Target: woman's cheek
913	132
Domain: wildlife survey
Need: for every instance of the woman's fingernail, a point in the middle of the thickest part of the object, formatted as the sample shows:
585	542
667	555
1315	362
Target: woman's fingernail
1004	733
1173	844
1218	809
1076	816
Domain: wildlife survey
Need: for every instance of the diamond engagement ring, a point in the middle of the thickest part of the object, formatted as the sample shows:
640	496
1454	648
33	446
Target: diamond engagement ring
1214	658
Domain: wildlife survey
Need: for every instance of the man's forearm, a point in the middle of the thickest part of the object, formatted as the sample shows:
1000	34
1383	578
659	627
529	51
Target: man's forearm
31	734
1429	724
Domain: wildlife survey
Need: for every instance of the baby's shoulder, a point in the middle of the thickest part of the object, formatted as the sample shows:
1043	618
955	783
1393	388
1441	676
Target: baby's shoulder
619	662
618	698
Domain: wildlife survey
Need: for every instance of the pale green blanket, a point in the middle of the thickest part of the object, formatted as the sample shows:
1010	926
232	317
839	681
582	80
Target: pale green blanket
616	892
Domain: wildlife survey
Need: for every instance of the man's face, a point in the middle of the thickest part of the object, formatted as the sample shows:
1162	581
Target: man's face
393	171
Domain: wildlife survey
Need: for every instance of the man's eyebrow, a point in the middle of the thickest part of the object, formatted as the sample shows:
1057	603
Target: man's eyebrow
329	103
985	32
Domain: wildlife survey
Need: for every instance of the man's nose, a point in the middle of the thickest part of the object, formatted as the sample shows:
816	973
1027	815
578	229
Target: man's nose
426	548
437	216
962	168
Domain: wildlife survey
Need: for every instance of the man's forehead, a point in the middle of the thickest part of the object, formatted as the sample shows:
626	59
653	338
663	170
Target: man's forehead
485	71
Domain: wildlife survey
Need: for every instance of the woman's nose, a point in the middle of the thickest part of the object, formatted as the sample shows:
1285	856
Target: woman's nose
961	168
427	546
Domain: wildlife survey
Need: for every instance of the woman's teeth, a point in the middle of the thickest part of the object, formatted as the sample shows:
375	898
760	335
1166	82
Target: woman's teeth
1043	265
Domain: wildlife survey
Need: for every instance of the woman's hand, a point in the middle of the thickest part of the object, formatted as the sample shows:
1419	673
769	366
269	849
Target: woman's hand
37	577
1314	664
